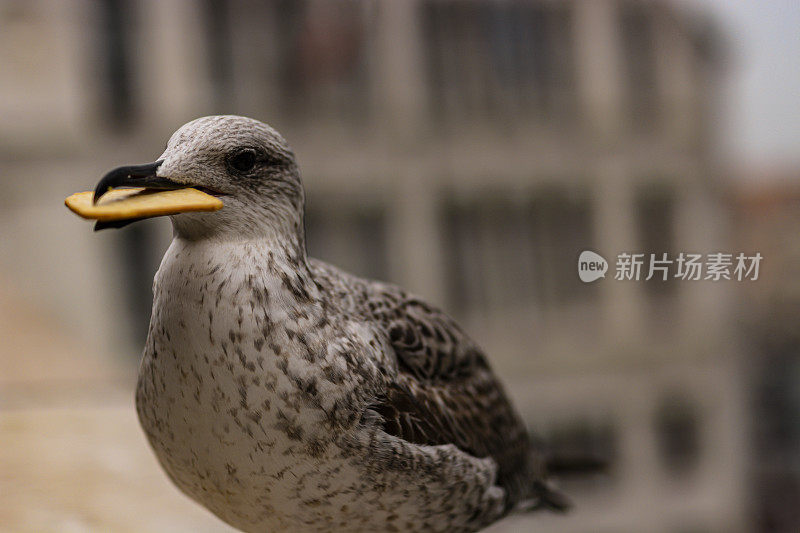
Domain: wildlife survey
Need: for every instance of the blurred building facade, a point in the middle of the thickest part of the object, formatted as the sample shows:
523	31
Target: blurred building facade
468	150
767	216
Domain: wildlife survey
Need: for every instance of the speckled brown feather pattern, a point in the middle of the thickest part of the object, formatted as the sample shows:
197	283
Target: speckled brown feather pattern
445	392
286	395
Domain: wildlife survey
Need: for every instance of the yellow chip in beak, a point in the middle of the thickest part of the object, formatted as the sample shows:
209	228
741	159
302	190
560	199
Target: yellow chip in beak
123	204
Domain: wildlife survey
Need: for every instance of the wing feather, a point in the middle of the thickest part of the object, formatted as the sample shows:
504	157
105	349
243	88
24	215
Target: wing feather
445	391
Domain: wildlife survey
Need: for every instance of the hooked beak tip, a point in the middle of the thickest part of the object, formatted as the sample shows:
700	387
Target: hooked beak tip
133	176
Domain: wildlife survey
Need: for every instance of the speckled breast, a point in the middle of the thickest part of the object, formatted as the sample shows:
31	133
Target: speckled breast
236	421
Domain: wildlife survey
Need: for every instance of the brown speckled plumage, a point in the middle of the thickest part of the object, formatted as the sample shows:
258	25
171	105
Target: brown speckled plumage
286	395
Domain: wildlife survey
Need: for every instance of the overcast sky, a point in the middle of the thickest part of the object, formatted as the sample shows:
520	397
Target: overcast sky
763	109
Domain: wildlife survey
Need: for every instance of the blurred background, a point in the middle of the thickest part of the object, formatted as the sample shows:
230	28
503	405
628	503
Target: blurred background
468	150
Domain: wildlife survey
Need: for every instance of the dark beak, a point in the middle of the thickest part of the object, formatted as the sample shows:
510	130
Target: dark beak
131	176
116	224
134	176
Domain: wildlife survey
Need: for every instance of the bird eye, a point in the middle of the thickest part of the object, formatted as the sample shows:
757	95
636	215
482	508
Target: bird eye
243	160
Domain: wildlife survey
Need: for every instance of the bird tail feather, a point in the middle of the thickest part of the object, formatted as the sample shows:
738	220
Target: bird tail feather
547	498
546	495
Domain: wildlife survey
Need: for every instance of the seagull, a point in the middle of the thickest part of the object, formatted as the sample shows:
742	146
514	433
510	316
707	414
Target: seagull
284	394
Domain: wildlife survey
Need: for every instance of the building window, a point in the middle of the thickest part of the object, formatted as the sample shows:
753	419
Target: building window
322	62
677	429
655	213
306	59
492	255
520	252
217	19
637	29
466	290
116	26
351	237
776	431
497	60
562	226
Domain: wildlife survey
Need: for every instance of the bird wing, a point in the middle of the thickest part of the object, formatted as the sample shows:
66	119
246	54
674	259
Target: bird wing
444	391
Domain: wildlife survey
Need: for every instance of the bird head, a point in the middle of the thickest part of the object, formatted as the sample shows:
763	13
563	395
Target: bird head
244	162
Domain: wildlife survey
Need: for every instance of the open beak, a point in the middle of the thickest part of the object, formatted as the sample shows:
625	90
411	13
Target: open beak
134	176
128	177
144	195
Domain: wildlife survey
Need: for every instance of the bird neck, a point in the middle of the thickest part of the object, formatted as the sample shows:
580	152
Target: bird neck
276	228
239	254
